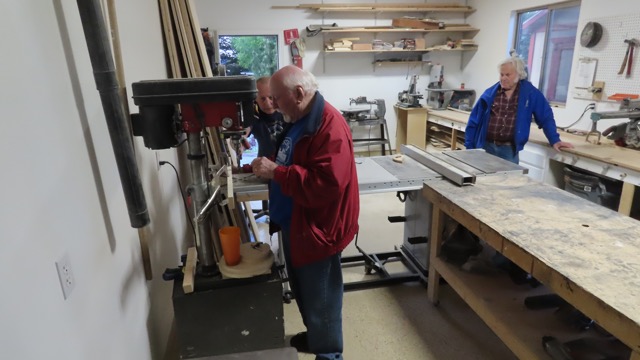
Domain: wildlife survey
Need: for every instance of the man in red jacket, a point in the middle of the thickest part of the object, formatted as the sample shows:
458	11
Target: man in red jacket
314	199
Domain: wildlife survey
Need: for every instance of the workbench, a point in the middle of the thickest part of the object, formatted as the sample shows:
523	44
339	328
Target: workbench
605	159
585	253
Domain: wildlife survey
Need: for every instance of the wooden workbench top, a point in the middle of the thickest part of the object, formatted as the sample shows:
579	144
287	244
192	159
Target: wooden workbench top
594	251
607	152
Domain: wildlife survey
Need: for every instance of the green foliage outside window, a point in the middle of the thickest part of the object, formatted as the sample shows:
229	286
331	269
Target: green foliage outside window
255	55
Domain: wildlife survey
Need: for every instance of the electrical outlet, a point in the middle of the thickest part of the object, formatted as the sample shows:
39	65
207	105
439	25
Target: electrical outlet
67	282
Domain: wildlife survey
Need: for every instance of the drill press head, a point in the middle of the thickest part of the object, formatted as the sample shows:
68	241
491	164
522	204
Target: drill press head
169	108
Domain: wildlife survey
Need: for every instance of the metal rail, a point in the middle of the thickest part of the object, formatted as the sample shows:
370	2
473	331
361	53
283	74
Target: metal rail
447	170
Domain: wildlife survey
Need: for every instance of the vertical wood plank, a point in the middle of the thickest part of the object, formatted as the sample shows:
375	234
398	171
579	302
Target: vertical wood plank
189	37
170	40
626	198
202	51
437	225
177	20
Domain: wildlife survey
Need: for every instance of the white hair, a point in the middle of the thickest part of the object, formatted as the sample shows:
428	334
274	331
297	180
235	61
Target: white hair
301	78
517	63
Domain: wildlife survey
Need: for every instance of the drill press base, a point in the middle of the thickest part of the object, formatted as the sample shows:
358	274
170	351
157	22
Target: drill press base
232	316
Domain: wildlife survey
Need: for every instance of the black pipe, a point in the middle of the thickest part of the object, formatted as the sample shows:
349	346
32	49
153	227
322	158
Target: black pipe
95	33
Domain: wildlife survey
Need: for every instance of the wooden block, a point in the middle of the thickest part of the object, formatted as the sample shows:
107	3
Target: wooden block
414	24
190	270
420	43
362	47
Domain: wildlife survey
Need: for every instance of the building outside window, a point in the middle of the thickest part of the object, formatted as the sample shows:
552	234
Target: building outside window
545	39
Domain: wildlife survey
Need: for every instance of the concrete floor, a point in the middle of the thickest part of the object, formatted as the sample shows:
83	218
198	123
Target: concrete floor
394	322
398	322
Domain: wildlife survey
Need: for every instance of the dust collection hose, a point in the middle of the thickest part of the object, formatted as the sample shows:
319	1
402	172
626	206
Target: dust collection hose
97	38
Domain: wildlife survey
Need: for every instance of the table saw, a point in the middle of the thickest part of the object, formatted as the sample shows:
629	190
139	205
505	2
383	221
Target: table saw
406	175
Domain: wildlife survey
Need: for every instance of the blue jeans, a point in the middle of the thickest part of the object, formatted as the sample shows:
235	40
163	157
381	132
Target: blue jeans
507	152
318	290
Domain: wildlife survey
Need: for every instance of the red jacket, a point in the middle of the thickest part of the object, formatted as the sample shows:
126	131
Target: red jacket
323	185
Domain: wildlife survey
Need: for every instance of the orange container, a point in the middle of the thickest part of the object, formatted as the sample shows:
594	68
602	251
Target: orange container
230	241
620	97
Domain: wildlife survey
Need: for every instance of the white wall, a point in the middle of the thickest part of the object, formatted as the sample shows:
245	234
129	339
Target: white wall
340	76
343	76
61	194
493	18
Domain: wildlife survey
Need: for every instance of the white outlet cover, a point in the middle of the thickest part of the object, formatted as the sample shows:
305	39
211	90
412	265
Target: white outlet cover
65	275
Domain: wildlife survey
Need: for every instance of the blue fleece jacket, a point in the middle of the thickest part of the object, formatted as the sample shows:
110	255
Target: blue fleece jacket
531	102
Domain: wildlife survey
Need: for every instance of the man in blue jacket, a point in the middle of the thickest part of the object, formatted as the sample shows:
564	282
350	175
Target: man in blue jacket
501	119
500	123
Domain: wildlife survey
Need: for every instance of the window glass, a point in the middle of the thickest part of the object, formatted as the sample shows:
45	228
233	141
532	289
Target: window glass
545	39
255	55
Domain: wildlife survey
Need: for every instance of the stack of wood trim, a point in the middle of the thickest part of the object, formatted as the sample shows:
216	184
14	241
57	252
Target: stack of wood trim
183	39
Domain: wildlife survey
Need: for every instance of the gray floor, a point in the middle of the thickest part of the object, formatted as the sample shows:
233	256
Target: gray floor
398	322
395	322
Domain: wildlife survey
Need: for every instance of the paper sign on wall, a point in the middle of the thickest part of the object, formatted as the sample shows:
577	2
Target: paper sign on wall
586	72
290	35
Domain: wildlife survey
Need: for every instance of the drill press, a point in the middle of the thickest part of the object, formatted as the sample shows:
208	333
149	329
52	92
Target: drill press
220	316
174	107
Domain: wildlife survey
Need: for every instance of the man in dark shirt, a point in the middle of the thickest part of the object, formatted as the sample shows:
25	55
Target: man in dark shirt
268	122
265	126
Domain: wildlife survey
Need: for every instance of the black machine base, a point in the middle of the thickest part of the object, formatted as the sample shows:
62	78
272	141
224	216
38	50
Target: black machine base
231	316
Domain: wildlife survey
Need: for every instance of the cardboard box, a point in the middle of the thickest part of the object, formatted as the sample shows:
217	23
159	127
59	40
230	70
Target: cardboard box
415	24
420	43
362	46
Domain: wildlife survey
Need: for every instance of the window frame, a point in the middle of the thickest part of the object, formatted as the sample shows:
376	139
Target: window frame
543	65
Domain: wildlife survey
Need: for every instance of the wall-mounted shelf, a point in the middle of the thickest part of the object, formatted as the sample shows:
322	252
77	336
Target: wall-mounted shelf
374	51
385	33
399	30
397	51
380	7
383	63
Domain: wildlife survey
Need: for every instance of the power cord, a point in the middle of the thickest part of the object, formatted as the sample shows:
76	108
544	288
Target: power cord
184	201
590	106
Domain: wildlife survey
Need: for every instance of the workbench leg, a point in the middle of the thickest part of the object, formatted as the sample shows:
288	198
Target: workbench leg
437	225
454	139
626	198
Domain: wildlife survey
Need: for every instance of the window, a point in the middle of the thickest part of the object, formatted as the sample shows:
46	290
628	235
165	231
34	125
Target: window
255	55
545	38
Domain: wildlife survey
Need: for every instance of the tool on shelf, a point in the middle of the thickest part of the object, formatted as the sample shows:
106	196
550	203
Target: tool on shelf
363	109
439	97
631	136
410	98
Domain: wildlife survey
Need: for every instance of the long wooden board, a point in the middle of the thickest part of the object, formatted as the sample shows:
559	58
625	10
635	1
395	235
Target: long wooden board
179	26
202	51
190	38
170	41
